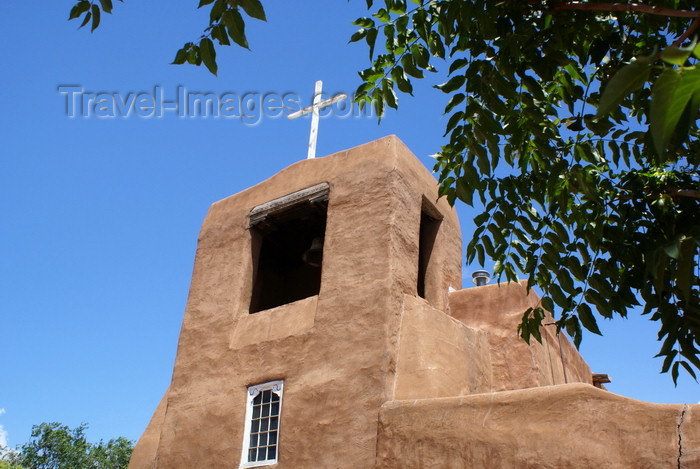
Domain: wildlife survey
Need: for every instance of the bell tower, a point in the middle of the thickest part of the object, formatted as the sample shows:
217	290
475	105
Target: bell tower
300	281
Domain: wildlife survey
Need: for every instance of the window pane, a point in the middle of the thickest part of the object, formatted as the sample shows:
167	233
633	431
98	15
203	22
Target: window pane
261	441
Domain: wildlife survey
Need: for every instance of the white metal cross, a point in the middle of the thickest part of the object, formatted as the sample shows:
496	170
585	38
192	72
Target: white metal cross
314	109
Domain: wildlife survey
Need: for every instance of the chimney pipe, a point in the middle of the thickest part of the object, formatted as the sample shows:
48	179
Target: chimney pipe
481	277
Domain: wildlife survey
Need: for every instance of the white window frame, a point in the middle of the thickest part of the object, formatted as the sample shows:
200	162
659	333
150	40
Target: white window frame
276	387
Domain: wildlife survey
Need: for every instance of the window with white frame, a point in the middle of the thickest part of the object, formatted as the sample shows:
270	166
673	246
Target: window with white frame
262	424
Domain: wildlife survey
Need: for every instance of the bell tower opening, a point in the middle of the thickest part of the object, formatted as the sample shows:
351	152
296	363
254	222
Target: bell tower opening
287	244
430	220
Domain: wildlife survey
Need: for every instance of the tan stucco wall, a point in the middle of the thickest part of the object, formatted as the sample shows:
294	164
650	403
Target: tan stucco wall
553	427
144	452
338	354
497	310
438	355
476	347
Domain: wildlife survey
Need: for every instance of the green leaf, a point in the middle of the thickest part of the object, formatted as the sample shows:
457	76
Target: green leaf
364	23
689	369
95	17
371	39
669	97
219	33
547	303
193	56
208	54
378	102
358	35
204	2
217	11
565	281
465	193
106	5
454	101
435	45
254	9
401	81
453	84
686	266
457	64
482	160
454	120
388	94
673	249
421	56
573	328
409	66
535	322
383	15
236	27
675	55
86	20
670	355
180	57
674	373
558	296
78	9
585	315
629	78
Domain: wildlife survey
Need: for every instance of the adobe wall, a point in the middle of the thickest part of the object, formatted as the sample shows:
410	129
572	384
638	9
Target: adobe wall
476	347
145	450
335	352
438	356
554	427
497	309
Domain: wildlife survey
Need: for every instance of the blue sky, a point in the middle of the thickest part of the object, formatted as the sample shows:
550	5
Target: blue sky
100	216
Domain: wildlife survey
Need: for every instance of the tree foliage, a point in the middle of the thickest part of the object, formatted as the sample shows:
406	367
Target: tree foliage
56	446
573	124
587	174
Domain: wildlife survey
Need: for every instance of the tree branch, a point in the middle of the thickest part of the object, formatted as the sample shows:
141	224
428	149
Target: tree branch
685	193
693	26
631	7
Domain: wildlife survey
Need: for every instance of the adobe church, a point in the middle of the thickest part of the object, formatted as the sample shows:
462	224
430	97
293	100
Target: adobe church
326	327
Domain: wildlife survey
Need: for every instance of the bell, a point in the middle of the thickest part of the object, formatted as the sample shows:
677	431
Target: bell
314	255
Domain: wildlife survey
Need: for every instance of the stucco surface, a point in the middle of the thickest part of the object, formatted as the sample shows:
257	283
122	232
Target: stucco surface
564	426
689	436
145	449
438	355
275	323
498	309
